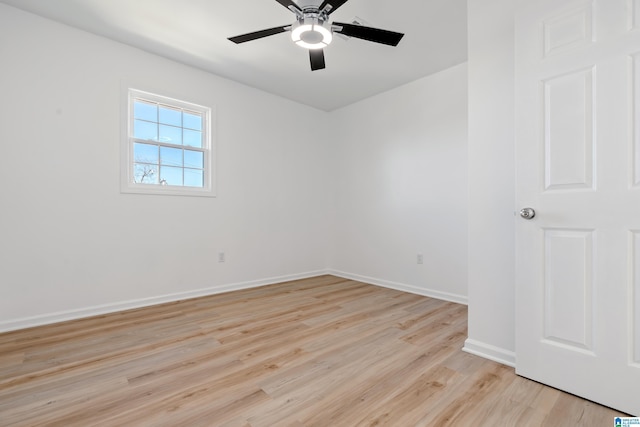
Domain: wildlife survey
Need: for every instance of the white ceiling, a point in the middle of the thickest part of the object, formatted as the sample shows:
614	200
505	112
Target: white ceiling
195	33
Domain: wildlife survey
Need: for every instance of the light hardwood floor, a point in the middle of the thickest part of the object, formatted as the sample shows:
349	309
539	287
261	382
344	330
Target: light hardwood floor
316	352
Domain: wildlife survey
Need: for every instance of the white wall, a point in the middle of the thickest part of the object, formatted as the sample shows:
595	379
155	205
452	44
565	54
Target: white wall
72	244
492	184
400	182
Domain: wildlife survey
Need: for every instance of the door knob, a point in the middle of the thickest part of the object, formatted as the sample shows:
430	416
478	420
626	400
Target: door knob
527	213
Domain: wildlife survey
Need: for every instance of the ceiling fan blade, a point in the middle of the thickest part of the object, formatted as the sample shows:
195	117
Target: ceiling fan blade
376	35
335	4
317	59
289	4
259	34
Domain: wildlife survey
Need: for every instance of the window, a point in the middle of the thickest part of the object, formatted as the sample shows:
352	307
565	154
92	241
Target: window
168	147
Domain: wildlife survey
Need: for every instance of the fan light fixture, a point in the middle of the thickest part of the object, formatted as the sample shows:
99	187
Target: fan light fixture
311	33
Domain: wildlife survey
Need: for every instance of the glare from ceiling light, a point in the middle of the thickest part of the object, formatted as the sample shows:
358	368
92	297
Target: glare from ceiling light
311	34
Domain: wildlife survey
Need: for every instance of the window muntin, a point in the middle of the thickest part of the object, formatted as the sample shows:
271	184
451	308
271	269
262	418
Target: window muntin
169	146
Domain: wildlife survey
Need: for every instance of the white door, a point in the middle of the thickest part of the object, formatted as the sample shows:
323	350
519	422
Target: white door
578	167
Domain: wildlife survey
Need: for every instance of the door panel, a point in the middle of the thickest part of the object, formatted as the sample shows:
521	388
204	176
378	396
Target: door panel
568	266
635	295
578	166
568	130
568	30
635	74
634	19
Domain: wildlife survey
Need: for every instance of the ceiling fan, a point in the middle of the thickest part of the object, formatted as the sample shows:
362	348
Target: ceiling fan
312	29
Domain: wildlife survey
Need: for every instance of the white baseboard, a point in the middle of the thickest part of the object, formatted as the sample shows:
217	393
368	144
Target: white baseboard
488	351
46	319
62	316
460	299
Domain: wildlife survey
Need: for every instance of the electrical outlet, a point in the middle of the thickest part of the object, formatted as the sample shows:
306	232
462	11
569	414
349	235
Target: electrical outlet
420	259
221	257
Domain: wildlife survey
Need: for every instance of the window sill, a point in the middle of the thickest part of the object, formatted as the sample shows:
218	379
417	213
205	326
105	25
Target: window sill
166	191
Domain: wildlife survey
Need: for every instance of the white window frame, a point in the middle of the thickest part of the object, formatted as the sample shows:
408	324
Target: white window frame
127	178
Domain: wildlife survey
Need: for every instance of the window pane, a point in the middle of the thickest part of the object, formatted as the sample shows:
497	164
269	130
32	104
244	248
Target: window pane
145	111
145	153
145	130
193	178
145	174
171	135
169	145
171	175
193	159
192	120
171	156
170	116
193	138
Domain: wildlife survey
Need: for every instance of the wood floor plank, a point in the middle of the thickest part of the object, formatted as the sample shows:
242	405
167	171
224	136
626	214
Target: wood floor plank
324	351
